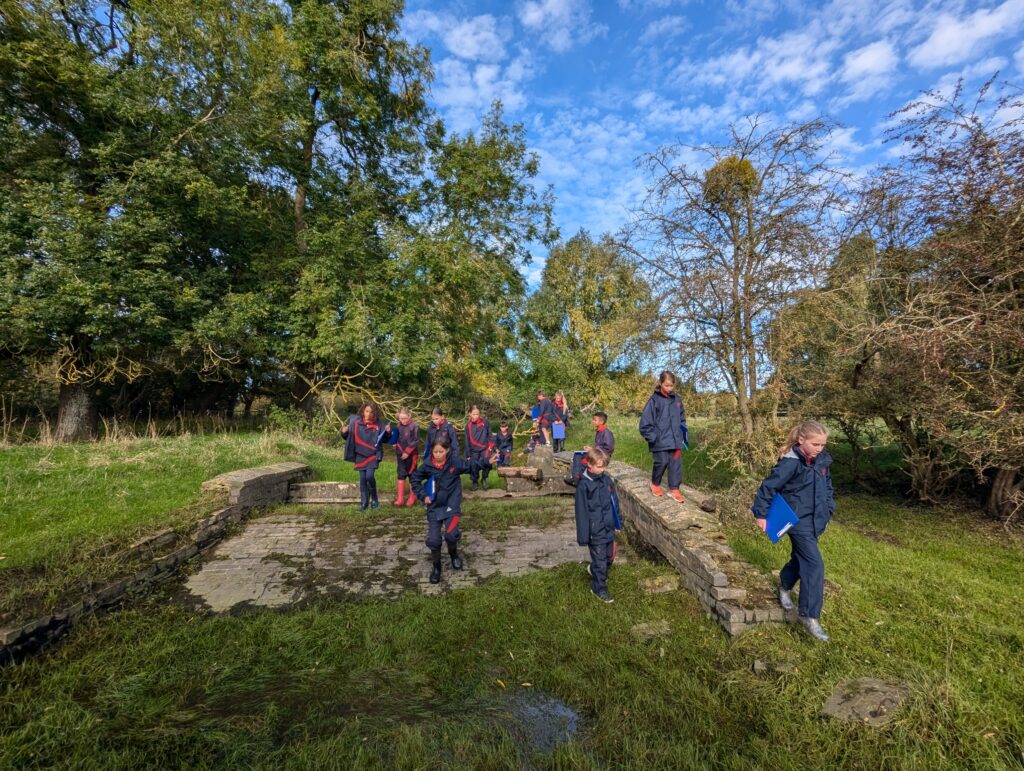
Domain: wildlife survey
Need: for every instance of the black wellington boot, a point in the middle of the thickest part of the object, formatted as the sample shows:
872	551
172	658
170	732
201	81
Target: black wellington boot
435	574
453	552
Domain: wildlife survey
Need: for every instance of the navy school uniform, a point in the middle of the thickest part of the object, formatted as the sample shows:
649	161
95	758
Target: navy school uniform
806	485
364	448
604	439
446	429
545	418
478	446
595	525
445	507
663	426
503	444
408	442
560	413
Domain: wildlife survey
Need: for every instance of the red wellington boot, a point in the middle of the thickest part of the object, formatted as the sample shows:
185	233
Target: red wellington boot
401	492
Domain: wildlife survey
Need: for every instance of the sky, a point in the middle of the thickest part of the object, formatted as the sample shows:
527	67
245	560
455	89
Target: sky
599	83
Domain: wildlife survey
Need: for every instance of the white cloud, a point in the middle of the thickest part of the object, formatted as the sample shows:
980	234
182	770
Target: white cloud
955	39
465	89
1018	59
561	24
476	38
643	5
868	71
663	29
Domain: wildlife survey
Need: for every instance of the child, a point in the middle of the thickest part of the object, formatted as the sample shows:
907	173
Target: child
503	444
604	440
363	447
534	436
478	445
663	425
802	478
406	455
441	427
438	484
545	417
595	521
561	415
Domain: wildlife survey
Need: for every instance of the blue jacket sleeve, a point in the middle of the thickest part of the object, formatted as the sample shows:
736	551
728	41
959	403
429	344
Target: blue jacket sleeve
648	425
776	480
831	497
416	479
582	517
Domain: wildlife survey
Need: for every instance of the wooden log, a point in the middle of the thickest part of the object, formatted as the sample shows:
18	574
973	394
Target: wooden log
521	472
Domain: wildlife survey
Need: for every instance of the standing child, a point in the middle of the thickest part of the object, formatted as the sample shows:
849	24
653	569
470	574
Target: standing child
503	444
545	417
561	415
663	425
802	478
595	521
604	440
439	485
478	446
439	426
363	447
406	455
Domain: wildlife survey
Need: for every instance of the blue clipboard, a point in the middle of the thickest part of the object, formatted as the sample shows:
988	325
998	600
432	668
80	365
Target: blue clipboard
780	519
558	430
535	412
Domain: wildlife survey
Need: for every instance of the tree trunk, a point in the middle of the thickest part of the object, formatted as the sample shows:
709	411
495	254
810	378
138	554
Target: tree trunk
76	414
1005	498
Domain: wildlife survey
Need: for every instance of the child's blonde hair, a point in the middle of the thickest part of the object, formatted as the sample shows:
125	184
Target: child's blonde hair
597	456
801	431
404	411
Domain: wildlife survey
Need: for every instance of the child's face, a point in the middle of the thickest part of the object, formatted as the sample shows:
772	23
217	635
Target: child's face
540	397
404	420
474	414
367	414
668	387
439	453
598	468
504	430
437	420
597	422
813	445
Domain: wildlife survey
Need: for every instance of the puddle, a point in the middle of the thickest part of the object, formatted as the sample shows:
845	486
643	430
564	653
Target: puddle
542	722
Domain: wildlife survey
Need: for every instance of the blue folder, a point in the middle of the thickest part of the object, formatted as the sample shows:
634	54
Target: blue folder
535	412
432	487
615	510
780	518
558	430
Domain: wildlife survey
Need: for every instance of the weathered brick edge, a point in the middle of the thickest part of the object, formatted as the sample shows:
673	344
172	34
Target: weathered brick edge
244	490
736	593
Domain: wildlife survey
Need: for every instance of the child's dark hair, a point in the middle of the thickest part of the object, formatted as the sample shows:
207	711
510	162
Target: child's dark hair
666	375
374	411
540	392
504	424
444	441
602	416
597	457
438	412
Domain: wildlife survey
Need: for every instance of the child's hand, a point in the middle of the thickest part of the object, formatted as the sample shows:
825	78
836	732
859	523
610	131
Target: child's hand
405	456
763	524
428	500
586	448
494	458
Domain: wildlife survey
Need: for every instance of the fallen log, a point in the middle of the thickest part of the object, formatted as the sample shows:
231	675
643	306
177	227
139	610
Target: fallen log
521	472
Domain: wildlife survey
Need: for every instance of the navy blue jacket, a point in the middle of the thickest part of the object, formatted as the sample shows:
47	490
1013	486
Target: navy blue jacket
805	484
363	445
408	440
447	498
547	413
560	412
502	442
604	439
595	521
433	432
478	438
662	421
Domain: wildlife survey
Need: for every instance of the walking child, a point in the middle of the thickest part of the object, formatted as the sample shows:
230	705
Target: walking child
406	455
439	426
478	446
503	444
438	483
561	415
595	521
663	425
802	477
363	447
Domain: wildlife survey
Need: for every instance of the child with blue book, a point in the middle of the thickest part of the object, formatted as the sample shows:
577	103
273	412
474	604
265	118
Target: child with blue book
802	477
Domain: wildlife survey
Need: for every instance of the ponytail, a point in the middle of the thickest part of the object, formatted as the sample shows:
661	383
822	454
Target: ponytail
802	431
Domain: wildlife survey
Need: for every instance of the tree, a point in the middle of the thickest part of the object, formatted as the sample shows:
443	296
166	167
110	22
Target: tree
592	321
729	245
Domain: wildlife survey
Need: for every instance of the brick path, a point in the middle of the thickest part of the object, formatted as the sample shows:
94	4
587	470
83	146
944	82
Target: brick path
283	559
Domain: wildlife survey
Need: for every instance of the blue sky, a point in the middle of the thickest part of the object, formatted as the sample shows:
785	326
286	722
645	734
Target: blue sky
598	83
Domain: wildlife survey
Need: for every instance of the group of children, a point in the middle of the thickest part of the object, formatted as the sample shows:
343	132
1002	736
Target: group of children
801	477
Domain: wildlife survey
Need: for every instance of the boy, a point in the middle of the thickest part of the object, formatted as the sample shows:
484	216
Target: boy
503	444
440	427
545	417
604	440
595	521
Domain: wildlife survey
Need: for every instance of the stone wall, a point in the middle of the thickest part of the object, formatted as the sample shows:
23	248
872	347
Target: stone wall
692	539
157	557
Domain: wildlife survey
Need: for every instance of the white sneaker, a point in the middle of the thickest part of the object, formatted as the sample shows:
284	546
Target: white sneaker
814	629
785	600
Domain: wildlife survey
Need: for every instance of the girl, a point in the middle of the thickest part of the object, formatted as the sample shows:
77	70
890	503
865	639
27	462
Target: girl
503	444
406	454
478	445
663	425
562	416
438	484
439	426
363	447
802	478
